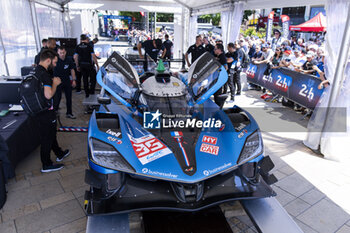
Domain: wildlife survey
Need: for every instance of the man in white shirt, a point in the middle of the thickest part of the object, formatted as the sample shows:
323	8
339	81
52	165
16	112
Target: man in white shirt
267	55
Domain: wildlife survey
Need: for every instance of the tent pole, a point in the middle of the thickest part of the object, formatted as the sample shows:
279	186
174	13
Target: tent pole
35	25
339	71
4	50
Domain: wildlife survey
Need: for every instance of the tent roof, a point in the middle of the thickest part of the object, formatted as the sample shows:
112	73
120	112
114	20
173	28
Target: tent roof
195	4
316	24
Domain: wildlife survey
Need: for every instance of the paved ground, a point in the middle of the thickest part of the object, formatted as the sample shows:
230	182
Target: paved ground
310	188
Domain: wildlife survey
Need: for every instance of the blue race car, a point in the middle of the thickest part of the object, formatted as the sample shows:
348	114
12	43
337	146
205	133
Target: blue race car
159	142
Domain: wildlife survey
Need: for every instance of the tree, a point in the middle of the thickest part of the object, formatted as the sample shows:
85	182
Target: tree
165	17
134	14
247	13
214	18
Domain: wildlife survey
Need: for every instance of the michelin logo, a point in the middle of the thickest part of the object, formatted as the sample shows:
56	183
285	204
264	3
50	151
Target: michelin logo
156	173
209	172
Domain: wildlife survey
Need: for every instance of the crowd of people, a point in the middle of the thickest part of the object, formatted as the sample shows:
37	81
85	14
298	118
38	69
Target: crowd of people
295	54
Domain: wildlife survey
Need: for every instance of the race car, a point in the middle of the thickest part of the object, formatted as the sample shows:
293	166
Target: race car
160	143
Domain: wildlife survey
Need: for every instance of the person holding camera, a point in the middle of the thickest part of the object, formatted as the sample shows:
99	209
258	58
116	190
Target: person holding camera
46	119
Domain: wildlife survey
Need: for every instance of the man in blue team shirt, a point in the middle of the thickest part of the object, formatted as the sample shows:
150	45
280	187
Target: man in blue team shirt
64	69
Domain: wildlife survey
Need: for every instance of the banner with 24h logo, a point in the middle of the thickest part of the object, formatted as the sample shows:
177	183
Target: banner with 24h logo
297	87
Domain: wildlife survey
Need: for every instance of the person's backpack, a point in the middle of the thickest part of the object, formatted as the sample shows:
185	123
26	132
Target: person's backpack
245	60
32	96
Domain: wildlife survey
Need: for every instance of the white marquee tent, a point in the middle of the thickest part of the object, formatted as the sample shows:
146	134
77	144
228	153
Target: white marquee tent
25	22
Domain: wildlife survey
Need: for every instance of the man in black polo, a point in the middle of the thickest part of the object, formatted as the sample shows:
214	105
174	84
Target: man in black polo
208	46
64	69
196	50
85	61
152	48
234	59
47	44
220	56
46	120
167	44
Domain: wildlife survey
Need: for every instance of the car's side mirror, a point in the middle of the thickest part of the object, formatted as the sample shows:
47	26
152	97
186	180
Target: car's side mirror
105	100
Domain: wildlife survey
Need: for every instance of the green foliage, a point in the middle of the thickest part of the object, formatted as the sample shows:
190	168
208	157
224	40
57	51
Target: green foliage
136	15
215	18
252	32
247	13
165	17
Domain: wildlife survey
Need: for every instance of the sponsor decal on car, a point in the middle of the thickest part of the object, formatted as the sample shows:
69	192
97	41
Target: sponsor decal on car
241	134
210	149
148	148
157	173
189	169
178	136
115	134
209	139
113	139
240	127
212	171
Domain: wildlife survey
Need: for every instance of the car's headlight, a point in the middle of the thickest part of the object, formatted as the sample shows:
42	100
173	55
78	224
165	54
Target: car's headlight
253	147
107	156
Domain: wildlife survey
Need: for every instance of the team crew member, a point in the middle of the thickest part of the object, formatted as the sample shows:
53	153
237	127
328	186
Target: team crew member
234	59
47	119
196	50
220	56
85	59
152	48
64	69
208	46
167	44
47	44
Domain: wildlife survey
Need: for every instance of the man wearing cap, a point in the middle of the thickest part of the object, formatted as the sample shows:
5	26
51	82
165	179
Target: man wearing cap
299	59
267	55
287	58
310	66
85	61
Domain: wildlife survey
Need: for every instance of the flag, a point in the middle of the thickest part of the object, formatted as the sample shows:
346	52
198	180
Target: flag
285	26
269	25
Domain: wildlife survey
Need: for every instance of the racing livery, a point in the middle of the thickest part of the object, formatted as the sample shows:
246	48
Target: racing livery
158	142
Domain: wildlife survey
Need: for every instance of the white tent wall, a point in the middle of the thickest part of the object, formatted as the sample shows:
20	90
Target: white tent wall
50	21
17	34
192	29
337	69
75	24
23	24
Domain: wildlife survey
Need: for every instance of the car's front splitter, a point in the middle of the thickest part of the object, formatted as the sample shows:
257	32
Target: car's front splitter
140	195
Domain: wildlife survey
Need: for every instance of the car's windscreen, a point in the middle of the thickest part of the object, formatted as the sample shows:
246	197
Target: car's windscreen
120	85
167	105
207	80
